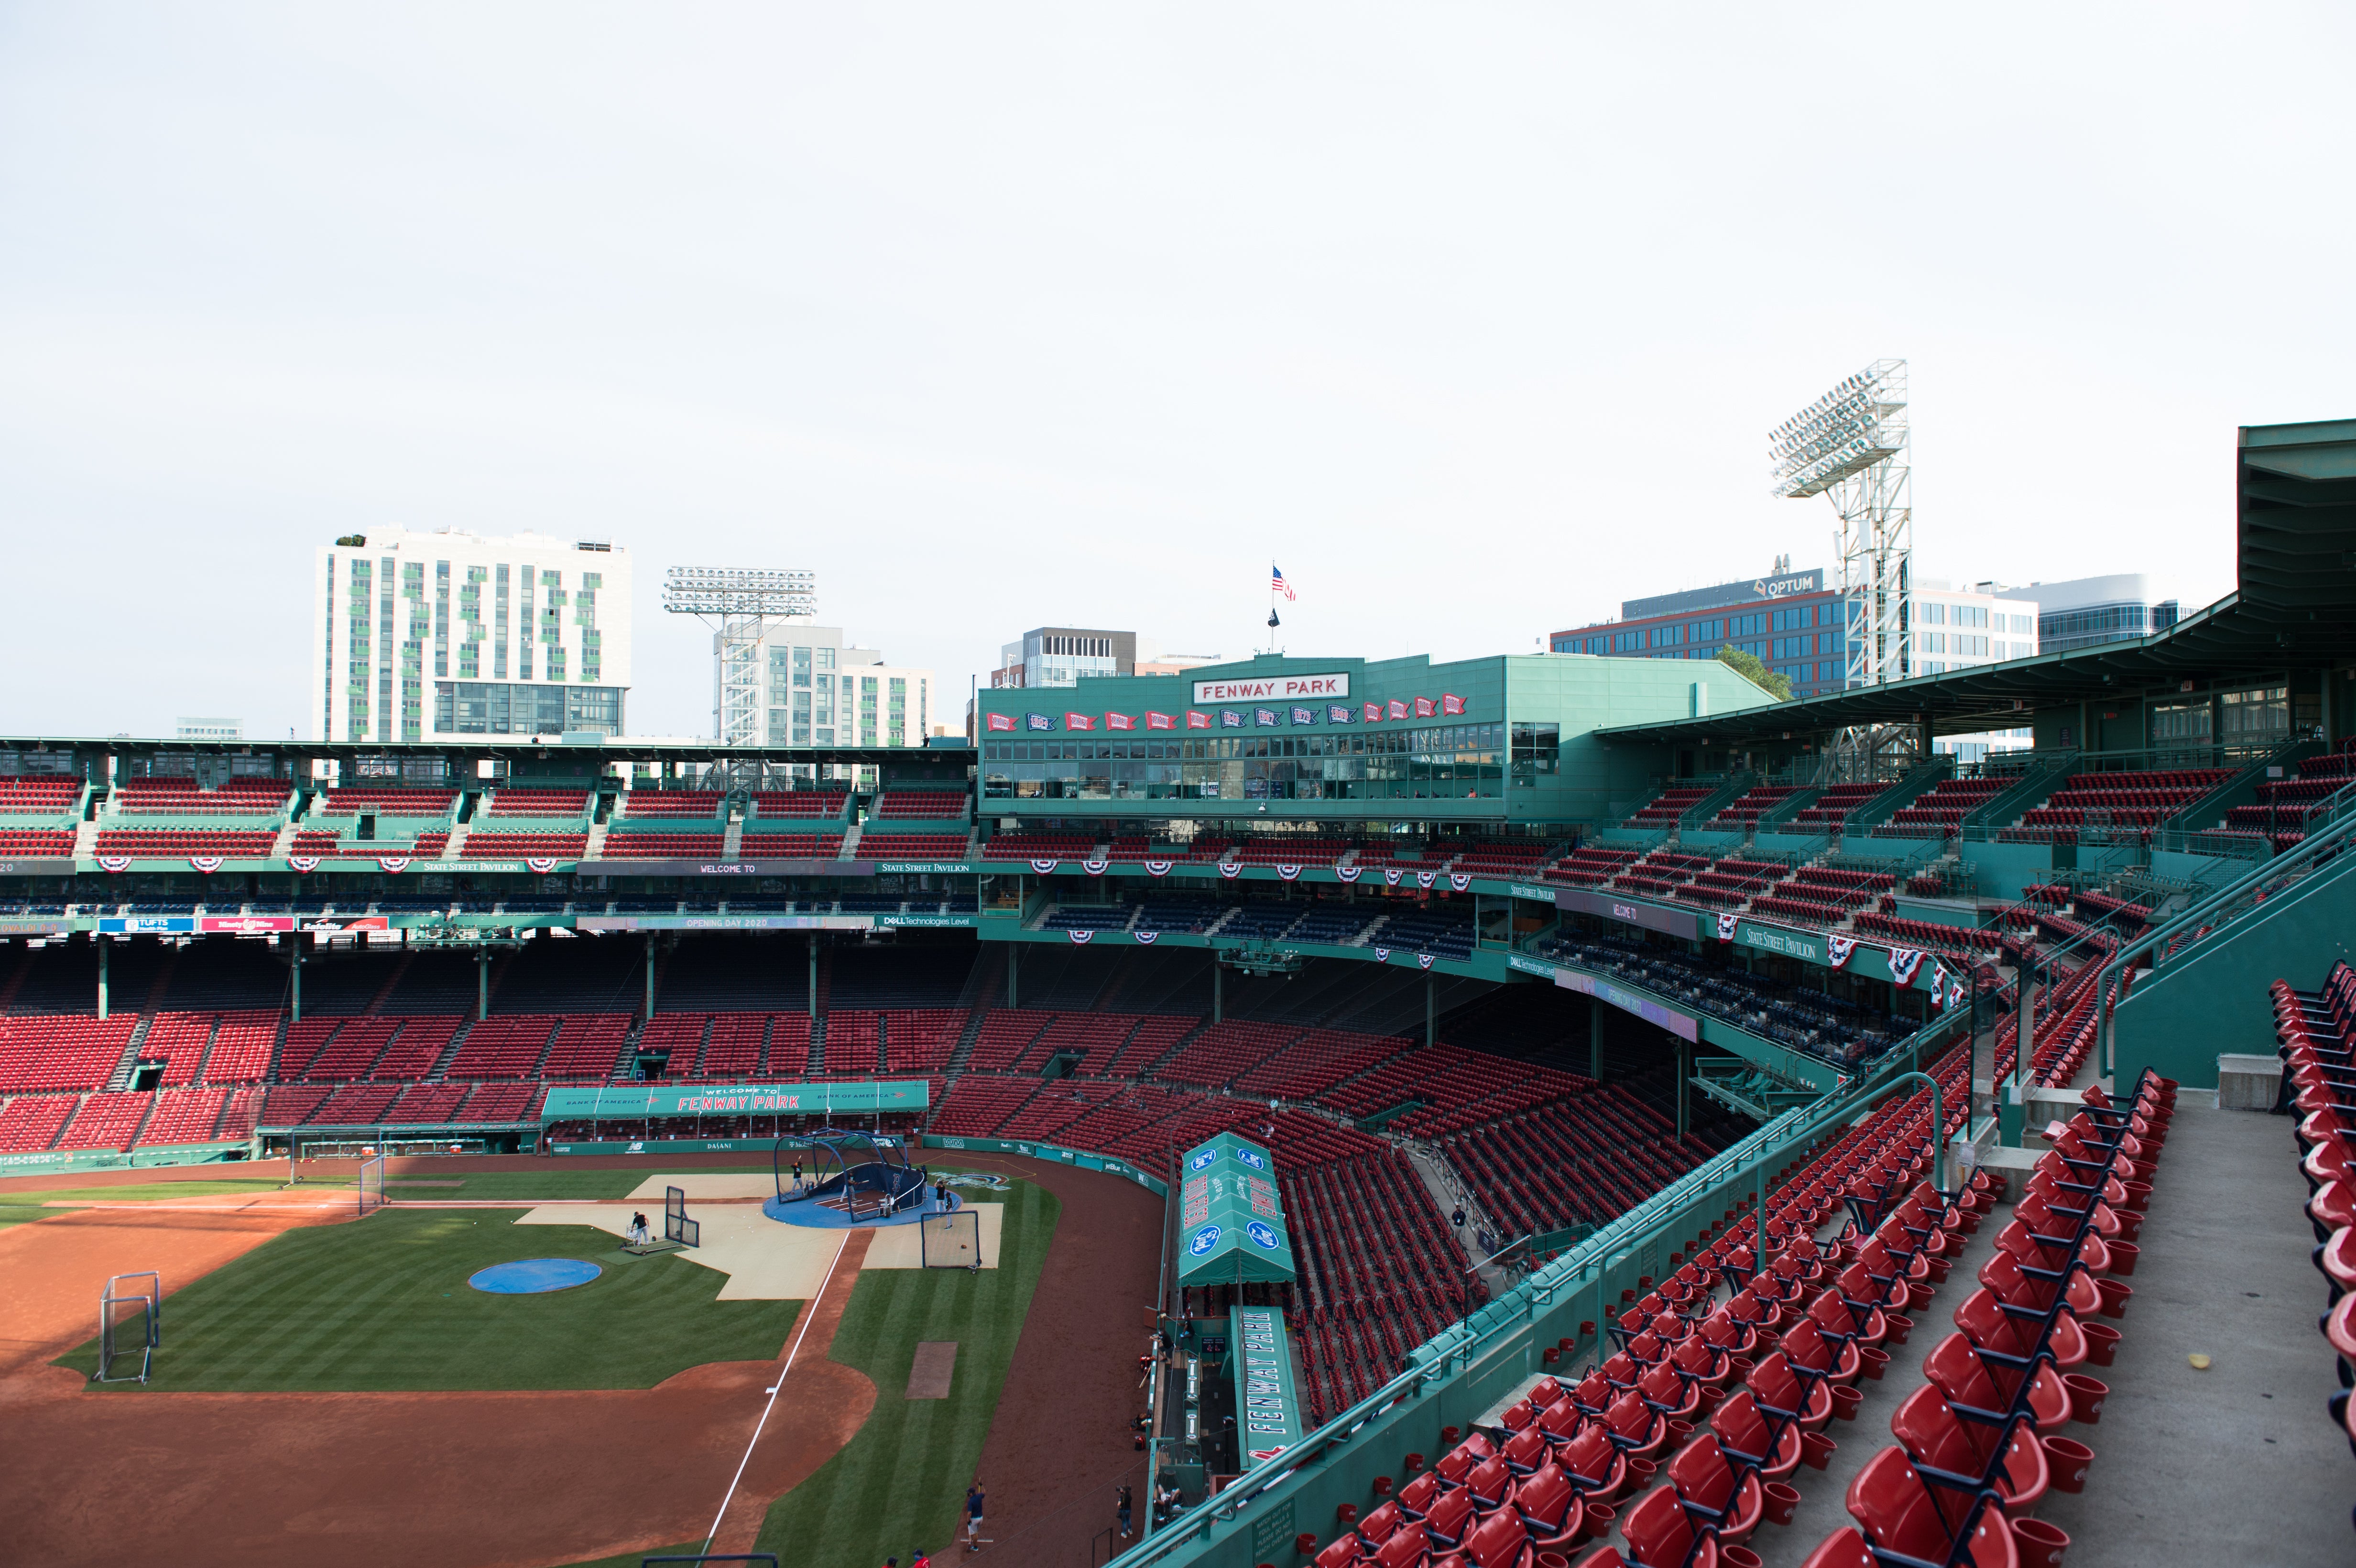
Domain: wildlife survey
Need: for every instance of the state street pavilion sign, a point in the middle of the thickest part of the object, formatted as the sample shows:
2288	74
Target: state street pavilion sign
1231	1226
636	1102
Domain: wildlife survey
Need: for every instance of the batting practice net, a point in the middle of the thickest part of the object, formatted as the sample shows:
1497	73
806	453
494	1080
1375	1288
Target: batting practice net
130	1324
952	1239
677	1226
372	1185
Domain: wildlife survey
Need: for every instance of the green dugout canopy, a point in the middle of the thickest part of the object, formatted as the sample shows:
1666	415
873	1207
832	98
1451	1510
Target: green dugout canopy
1231	1227
634	1102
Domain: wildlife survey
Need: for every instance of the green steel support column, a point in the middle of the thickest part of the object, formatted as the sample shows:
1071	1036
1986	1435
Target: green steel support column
1685	1073
1595	1039
1013	979
1431	1012
1218	990
102	945
482	983
651	976
2011	1114
296	938
813	976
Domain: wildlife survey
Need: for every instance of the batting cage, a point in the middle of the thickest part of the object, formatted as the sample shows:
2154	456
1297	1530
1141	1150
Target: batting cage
677	1226
130	1323
952	1239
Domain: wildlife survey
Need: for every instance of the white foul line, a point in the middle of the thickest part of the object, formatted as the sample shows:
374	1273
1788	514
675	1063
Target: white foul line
788	1367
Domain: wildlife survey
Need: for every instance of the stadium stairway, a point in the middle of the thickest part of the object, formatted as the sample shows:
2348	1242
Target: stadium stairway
120	1079
731	842
594	849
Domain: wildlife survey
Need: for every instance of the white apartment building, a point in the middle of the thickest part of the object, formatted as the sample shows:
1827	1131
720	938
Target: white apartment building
816	690
426	637
1954	629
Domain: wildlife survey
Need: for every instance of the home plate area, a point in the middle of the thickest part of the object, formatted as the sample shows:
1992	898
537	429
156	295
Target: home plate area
764	1260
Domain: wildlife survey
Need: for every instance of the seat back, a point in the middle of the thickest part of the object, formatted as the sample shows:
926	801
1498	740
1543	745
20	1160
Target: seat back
1960	1375
1658	1531
1663	1386
1629	1419
1701	1473
1590	1457
1546	1494
1935	1436
1561	1419
1528	1450
1743	1429
1489	1481
1890	1500
1450	1514
1496	1540
1807	1348
1775	1384
1407	1548
1983	1317
1420	1493
1377	1527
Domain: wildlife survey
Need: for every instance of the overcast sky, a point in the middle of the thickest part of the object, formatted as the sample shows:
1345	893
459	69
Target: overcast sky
1472	317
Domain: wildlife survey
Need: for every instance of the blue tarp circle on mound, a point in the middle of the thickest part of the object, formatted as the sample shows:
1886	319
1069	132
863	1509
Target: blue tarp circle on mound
533	1275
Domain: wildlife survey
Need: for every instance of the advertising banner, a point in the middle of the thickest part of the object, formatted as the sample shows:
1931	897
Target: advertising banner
634	1102
921	867
29	865
148	924
725	922
828	868
246	925
1628	1001
1653	917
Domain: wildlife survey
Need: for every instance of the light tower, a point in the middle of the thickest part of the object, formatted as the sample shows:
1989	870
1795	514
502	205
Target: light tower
738	603
1850	447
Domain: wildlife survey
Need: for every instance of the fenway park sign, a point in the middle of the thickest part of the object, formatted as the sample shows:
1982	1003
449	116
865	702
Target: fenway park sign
1275	687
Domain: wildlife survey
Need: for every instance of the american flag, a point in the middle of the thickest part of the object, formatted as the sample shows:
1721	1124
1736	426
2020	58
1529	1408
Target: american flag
1275	582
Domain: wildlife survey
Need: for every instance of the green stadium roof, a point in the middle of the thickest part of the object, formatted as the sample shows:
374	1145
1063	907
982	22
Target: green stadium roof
2295	609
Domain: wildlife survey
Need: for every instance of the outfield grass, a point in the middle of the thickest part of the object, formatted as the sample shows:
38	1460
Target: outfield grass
20	1204
900	1483
384	1303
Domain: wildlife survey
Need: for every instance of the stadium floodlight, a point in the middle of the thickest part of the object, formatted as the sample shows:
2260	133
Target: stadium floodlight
740	602
1850	447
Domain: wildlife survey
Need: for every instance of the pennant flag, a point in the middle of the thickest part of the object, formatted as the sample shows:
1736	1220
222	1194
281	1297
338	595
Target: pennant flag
207	864
1305	716
1157	868
1078	722
1423	707
541	864
1081	936
1037	721
1119	722
1337	713
1840	949
395	864
1349	873
1373	712
114	862
1288	872
1726	928
302	862
1094	868
1147	936
1230	720
1264	717
1451	703
1460	881
1001	720
1197	720
1157	720
1398	710
1043	867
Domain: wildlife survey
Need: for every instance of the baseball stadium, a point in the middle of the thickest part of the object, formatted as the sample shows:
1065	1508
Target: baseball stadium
1302	1110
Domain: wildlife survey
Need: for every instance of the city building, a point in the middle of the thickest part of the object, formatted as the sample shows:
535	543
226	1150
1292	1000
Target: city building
1066	655
209	728
1792	622
2085	611
423	636
817	690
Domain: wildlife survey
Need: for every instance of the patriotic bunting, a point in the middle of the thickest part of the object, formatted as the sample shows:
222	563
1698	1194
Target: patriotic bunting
302	862
1840	949
1158	721
1903	962
1081	937
1726	927
1423	960
1460	881
1288	872
1382	954
1939	984
1147	937
207	864
1043	867
1955	994
393	864
1002	721
1425	879
1094	868
114	862
1451	703
1349	873
1231	870
541	864
1391	875
1157	868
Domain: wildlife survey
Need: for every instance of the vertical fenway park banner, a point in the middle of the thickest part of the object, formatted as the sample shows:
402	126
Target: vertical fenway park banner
1266	1405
